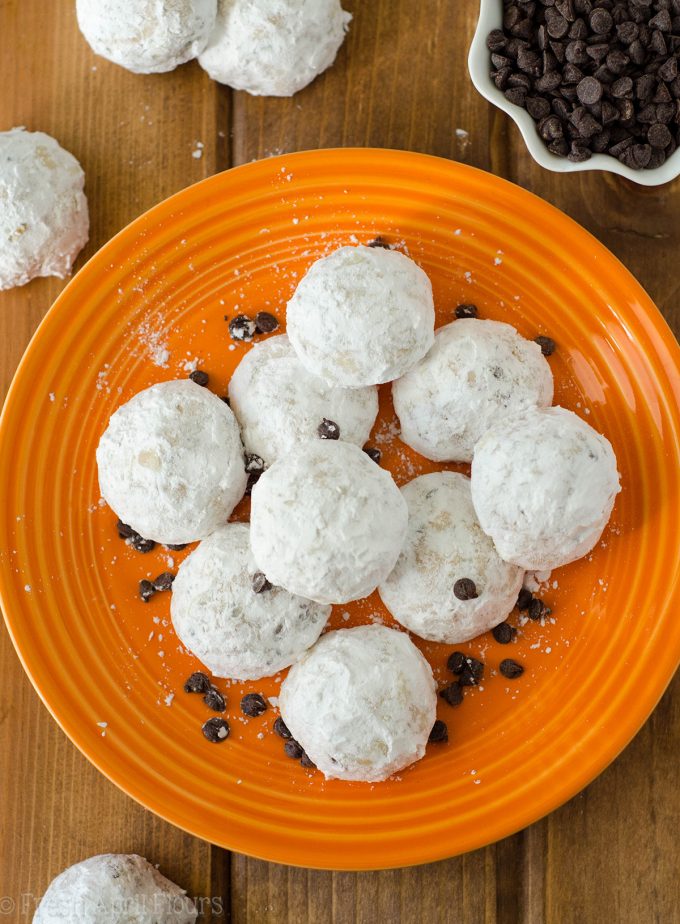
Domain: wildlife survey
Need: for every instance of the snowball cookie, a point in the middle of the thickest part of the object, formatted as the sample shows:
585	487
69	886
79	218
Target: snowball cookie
543	486
445	543
274	47
233	630
361	316
44	221
361	703
114	889
171	462
476	374
326	522
278	403
147	36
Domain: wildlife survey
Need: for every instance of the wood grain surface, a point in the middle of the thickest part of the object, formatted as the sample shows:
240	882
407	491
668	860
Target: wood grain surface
611	854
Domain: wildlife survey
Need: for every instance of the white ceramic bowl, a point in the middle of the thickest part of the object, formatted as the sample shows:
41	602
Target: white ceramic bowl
479	63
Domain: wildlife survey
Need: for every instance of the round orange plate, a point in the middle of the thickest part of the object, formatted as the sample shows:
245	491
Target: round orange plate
151	303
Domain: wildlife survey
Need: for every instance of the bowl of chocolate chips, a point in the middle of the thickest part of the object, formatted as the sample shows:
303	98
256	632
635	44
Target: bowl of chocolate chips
591	84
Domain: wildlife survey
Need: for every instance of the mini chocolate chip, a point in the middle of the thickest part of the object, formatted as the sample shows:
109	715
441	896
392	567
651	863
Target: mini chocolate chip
265	322
307	762
601	21
163	581
548	82
524	598
453	694
669	70
627	32
216	730
661	21
659	136
547	344
439	733
516	95
657	43
253	705
622	88
380	241
578	30
242	327
572	74
537	609
556	25
467	311
465	589
178	547
146	590
328	430
559	147
456	662
637	52
616	61
281	729
139	544
198	682
589	91
511	669
293	749
500	61
503	633
537	107
373	454
260	583
550	129
215	700
125	531
472	673
200	377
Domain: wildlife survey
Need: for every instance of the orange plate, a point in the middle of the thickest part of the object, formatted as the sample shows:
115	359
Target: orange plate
158	293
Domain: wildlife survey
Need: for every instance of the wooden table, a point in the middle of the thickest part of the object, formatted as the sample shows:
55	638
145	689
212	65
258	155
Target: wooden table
609	855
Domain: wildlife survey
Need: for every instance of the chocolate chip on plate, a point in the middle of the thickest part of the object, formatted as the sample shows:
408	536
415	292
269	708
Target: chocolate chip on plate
216	730
511	669
253	705
537	610
524	598
547	345
242	327
328	430
260	583
465	589
373	454
503	633
139	544
265	322
467	311
125	531
452	694
215	700
198	682
456	662
379	241
307	762
293	750
281	729
178	547
163	581
472	673
439	733
146	590
200	377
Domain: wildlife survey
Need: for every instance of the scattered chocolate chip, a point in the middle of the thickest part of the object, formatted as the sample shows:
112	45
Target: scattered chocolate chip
125	531
380	241
253	705
254	465
200	377
164	581
265	322
472	673
215	700
198	682
456	662
373	453
503	633
146	590
452	694
439	733
524	598
547	345
216	730
281	729
293	749
465	589
260	583
511	669
178	547
537	610
242	327
328	430
467	311
139	544
307	762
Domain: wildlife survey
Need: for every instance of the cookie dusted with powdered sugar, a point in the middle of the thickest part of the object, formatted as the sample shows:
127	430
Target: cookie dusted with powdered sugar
234	621
327	523
147	36
361	316
279	404
171	462
44	220
111	889
361	703
476	374
445	546
274	47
